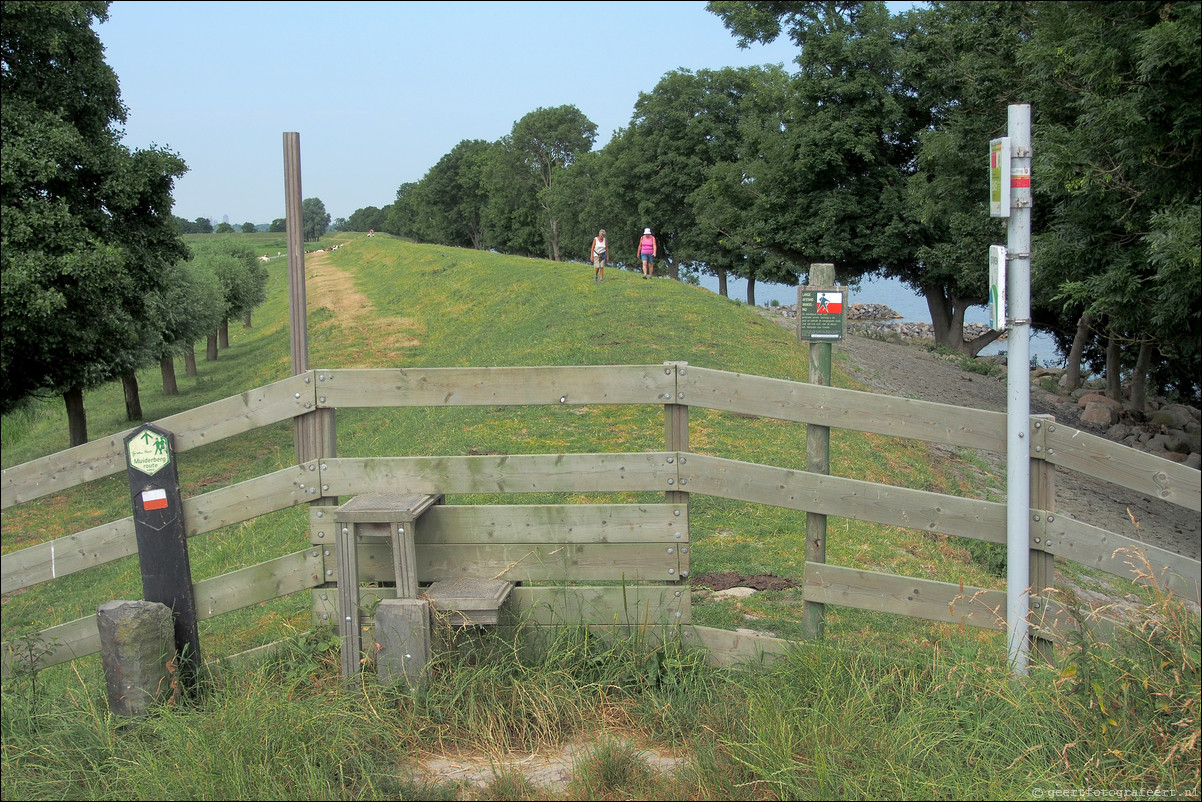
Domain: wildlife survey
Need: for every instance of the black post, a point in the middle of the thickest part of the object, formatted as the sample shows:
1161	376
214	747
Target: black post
162	544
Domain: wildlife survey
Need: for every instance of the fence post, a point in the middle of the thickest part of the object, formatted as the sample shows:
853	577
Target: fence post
1042	563
818	460
676	430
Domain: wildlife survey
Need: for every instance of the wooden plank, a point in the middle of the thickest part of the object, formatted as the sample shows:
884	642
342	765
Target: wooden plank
843	409
105	456
558	523
576	562
902	595
434	387
222	594
68	554
1122	465
845	498
113	541
726	648
270	492
630	605
520	473
1117	554
66	642
265	581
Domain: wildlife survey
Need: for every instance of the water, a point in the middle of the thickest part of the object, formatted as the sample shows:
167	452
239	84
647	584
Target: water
898	297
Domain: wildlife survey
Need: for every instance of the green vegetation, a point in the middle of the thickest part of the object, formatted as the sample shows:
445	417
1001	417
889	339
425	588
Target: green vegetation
885	707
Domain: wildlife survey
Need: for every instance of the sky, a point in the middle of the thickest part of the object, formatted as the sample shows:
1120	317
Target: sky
380	91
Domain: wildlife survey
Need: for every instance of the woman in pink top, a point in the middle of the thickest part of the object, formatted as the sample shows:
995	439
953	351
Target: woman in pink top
647	252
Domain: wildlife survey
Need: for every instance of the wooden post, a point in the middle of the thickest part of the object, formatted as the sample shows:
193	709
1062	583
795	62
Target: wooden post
162	543
1042	563
676	430
818	460
314	434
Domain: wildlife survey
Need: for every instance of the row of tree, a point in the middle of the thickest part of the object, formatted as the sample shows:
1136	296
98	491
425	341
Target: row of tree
96	281
315	221
872	155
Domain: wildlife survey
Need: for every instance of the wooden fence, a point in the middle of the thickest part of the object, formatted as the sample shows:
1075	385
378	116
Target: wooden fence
645	547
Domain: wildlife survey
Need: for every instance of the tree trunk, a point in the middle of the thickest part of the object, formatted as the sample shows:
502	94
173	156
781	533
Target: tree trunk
1114	369
133	401
751	291
77	417
722	282
673	269
223	334
1139	378
190	361
246	320
211	353
947	320
1072	374
167	369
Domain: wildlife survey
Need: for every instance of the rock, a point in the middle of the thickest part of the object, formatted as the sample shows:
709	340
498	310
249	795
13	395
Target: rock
1097	413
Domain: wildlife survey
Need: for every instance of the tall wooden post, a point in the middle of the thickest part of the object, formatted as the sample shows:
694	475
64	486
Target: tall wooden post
818	460
1042	563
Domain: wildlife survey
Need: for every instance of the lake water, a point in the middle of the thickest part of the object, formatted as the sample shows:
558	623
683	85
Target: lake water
898	297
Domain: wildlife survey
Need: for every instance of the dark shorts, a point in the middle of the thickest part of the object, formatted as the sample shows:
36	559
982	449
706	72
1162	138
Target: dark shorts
648	257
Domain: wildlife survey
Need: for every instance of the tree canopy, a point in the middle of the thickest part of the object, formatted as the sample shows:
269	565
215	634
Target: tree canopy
87	228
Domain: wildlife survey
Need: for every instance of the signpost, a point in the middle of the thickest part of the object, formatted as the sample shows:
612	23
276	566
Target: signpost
821	313
1010	282
162	544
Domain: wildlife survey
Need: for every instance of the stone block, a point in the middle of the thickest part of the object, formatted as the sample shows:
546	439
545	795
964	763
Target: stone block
137	651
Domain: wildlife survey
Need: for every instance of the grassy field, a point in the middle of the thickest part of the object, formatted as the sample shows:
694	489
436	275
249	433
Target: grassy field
885	707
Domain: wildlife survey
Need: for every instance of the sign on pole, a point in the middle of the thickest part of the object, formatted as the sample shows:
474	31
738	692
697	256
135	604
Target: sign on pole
821	314
999	177
997	287
162	544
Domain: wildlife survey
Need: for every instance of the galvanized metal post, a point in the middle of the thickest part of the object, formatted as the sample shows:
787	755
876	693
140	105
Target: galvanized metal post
1018	390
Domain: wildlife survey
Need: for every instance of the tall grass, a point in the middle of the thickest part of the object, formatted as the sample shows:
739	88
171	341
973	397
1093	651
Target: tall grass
886	707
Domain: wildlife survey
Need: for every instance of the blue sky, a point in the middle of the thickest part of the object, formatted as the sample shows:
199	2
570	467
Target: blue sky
379	92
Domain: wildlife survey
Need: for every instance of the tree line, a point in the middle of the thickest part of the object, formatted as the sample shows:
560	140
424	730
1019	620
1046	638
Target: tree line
871	154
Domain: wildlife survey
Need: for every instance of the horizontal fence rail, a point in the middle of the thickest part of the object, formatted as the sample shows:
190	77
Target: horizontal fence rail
674	386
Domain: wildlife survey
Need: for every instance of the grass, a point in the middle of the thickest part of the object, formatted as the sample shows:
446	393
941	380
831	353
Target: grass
885	707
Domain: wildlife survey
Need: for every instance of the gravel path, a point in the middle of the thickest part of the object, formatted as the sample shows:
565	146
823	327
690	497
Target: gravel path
911	371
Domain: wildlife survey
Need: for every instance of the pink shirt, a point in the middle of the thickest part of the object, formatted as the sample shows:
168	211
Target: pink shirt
647	244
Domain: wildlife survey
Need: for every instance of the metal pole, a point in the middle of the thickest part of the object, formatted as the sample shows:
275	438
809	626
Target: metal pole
1018	389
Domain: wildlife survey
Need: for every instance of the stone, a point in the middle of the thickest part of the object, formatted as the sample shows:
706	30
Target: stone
137	652
1099	414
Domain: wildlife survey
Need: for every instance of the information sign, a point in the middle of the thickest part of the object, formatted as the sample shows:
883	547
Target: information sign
997	287
999	177
820	313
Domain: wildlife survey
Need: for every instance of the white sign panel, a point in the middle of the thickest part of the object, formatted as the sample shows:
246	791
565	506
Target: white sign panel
999	177
997	287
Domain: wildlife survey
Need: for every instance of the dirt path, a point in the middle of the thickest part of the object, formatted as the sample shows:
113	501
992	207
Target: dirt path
328	286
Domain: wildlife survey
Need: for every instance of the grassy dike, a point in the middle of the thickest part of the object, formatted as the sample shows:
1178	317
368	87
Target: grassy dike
886	707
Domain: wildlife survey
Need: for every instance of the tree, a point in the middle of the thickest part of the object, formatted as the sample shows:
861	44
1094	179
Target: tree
224	228
545	142
451	197
248	228
369	218
241	278
314	219
278	226
202	225
1117	128
189	306
86	224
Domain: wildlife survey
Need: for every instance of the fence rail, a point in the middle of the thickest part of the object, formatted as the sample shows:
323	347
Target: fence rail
675	471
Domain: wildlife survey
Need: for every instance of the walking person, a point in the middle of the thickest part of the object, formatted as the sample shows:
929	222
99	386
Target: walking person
647	252
600	257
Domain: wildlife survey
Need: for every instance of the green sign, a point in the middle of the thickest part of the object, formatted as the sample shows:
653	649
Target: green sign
999	177
820	313
148	452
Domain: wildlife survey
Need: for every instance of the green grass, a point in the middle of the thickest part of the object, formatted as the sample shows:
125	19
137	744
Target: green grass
885	707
